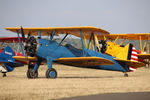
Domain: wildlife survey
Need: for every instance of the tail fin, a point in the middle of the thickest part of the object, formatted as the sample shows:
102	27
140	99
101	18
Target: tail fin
132	55
6	55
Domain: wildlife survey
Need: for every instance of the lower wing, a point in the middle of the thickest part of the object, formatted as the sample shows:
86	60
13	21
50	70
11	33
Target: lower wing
143	56
85	61
75	61
24	58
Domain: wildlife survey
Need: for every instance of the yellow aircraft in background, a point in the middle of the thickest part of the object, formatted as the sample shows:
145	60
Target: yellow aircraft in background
118	50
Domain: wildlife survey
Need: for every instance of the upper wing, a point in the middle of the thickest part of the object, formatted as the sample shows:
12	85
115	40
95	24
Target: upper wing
133	64
135	36
59	30
143	56
9	39
85	61
24	58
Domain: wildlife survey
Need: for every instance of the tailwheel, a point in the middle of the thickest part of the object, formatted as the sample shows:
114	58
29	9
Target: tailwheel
125	75
31	73
51	73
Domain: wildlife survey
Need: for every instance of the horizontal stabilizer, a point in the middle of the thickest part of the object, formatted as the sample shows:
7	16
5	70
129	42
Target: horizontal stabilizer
144	56
85	61
134	64
24	58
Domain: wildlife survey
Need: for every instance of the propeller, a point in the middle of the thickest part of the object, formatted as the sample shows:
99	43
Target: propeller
22	33
30	44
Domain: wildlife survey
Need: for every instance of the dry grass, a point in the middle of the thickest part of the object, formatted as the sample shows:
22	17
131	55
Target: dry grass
70	82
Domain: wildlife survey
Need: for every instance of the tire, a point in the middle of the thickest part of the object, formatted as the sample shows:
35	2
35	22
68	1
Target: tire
28	73
51	73
30	67
31	73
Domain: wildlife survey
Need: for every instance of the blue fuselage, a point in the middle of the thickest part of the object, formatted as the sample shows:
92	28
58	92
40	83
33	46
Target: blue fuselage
56	50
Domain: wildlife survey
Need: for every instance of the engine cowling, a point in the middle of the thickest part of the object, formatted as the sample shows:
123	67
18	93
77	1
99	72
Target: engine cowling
103	46
31	46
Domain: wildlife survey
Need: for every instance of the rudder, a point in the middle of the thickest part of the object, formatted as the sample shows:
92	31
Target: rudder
132	55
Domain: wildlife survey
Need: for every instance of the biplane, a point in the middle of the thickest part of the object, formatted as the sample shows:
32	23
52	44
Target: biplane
38	49
7	63
136	55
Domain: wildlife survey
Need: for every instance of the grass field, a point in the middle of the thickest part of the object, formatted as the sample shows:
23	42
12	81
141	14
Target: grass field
71	82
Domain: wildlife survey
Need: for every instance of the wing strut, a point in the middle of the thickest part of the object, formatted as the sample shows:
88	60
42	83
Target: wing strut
20	43
62	40
94	42
141	44
148	47
82	43
39	34
52	35
89	44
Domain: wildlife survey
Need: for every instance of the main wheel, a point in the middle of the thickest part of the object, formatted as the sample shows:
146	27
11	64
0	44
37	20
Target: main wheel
51	73
30	67
31	73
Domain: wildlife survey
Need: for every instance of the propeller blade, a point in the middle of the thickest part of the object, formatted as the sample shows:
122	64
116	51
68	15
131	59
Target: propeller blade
22	33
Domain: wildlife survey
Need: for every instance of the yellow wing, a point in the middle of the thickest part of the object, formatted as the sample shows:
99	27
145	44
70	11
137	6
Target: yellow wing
133	64
59	30
135	36
77	61
24	58
85	61
143	56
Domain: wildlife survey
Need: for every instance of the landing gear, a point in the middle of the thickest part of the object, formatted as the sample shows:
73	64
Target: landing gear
30	66
125	75
51	73
31	73
33	69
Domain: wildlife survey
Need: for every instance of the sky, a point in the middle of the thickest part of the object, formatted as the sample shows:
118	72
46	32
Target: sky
115	16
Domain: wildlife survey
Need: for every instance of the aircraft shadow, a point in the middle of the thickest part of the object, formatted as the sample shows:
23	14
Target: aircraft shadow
83	77
86	77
